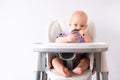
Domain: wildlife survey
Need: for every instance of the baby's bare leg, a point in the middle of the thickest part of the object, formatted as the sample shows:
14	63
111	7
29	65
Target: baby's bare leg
82	66
60	68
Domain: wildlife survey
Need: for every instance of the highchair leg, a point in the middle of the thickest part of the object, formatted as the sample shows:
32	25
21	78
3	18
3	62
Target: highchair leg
98	65
41	74
104	75
98	68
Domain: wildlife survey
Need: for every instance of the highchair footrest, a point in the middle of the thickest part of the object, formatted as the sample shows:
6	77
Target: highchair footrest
53	75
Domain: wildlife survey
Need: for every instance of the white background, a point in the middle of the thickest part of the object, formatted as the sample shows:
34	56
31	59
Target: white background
23	22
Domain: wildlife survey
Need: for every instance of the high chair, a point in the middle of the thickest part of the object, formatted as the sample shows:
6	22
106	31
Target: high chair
47	51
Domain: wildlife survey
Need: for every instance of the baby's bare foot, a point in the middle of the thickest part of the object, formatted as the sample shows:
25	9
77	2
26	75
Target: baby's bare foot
82	66
66	72
78	71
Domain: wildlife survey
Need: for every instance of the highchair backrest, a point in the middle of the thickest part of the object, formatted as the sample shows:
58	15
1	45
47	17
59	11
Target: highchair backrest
60	26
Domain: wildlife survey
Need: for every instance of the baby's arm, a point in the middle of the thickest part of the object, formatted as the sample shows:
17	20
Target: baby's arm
85	35
69	38
87	38
61	40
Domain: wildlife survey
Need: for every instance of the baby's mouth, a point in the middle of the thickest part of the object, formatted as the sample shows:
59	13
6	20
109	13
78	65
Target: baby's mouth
75	30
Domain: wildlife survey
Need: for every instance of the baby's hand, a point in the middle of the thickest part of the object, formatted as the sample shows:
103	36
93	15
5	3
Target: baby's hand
71	37
83	33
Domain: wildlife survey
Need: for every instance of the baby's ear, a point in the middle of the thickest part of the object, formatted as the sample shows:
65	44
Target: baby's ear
86	26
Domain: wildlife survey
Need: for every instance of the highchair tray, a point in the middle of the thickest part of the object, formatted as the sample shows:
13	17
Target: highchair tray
70	47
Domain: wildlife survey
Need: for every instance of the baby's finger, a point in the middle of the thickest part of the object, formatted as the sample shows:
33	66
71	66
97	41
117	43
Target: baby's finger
82	33
73	34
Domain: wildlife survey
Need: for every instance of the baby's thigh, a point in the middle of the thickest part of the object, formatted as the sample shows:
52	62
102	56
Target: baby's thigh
57	61
79	57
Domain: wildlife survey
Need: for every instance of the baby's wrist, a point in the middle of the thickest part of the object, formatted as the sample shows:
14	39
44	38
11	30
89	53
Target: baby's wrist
66	39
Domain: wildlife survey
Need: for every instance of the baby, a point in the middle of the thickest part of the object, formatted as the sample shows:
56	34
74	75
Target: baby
77	33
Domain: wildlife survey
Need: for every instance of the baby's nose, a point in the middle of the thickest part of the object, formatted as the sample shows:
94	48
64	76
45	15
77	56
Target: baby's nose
78	28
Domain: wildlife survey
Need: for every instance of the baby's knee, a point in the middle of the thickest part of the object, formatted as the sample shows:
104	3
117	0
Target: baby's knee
86	59
56	60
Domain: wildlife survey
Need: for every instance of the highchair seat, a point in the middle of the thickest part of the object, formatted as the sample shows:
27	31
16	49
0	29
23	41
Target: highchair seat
53	75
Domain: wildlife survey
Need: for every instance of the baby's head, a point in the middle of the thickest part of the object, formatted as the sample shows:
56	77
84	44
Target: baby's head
78	20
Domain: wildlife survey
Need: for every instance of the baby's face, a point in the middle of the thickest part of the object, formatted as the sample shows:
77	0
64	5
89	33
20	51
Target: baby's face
78	22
